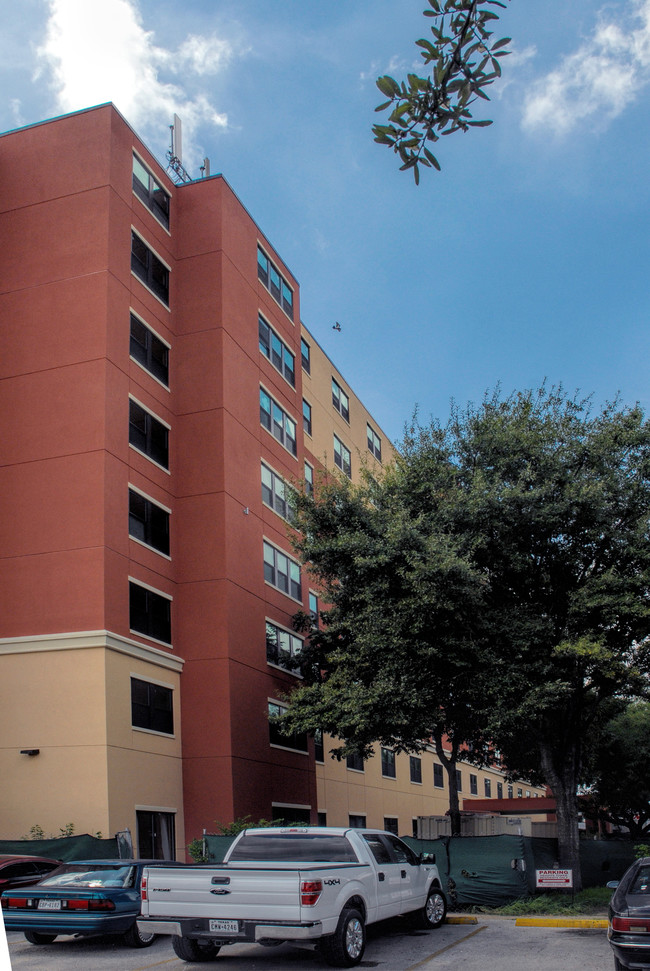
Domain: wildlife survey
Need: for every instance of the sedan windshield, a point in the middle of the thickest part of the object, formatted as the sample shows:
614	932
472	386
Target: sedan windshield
81	875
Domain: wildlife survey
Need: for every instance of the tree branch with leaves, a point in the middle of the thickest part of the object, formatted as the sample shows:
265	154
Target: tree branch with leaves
463	62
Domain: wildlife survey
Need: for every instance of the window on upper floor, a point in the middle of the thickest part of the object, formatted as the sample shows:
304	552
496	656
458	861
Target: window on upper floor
499	790
150	613
355	761
282	572
150	191
149	350
342	457
313	608
306	416
275	493
282	647
274	348
473	784
277	422
319	756
148	434
309	479
438	779
297	740
148	522
459	780
274	282
388	763
305	355
488	788
374	442
415	766
152	706
149	268
510	792
340	400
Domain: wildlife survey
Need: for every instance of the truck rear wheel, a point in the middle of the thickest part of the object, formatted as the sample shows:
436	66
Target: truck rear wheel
344	948
194	949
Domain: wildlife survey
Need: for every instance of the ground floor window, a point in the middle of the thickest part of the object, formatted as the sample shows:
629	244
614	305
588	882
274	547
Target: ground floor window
156	835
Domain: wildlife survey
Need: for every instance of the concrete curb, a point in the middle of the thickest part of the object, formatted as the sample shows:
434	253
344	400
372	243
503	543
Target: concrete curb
589	922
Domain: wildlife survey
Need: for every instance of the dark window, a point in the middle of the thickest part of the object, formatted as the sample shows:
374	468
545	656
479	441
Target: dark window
342	457
355	761
306	416
148	268
296	740
402	852
274	282
322	819
150	191
510	792
374	442
488	788
148	434
438	780
313	609
282	647
278	422
391	824
319	755
148	522
356	821
275	493
298	847
276	351
377	847
473	784
416	768
152	706
499	790
149	351
388	763
340	400
282	572
150	613
459	780
156	835
305	355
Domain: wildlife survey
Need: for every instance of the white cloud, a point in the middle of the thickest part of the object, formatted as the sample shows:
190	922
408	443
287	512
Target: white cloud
98	50
598	81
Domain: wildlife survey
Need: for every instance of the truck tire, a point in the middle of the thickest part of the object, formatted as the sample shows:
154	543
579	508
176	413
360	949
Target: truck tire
344	948
433	913
194	949
134	937
35	938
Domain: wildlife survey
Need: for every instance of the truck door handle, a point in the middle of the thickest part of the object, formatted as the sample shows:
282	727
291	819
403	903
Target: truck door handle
380	876
403	874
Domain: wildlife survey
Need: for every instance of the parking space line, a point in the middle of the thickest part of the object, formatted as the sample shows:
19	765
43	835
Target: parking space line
448	947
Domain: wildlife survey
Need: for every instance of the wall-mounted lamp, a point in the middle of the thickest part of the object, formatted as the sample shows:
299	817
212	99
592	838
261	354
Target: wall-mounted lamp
30	751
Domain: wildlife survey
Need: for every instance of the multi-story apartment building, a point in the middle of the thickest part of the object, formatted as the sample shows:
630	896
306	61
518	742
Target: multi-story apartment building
159	397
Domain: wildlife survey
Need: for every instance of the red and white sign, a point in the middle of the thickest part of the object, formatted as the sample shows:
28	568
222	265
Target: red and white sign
554	879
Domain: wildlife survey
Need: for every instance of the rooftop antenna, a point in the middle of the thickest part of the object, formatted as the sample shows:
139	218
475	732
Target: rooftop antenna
175	154
205	168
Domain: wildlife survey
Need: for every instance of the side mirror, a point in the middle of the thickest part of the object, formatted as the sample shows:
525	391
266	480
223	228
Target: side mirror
427	857
613	884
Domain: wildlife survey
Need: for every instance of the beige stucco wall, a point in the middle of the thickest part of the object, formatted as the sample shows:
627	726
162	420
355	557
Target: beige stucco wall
70	698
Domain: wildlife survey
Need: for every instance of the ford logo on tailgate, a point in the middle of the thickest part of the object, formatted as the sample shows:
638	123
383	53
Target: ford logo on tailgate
220	890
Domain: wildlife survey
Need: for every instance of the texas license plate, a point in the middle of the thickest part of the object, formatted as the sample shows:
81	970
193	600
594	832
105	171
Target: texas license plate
224	926
49	905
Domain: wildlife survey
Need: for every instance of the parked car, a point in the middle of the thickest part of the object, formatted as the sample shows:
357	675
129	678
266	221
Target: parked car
629	917
24	871
86	897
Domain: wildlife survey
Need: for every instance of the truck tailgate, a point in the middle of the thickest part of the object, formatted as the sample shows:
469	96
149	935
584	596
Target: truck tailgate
238	892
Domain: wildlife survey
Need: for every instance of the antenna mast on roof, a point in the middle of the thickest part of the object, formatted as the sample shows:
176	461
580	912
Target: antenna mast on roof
175	154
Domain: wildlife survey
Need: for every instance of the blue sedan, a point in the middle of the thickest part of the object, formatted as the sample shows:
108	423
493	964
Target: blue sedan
82	898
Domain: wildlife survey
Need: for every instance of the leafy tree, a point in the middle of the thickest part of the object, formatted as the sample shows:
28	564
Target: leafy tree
463	61
621	783
493	585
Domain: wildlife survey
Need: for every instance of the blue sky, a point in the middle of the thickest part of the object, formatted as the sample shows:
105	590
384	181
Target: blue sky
525	259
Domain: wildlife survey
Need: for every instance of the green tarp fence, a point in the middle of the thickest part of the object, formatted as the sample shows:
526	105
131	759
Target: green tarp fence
494	870
66	848
216	847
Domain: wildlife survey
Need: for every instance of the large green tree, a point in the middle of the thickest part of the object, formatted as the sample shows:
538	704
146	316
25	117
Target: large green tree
494	585
462	60
620	791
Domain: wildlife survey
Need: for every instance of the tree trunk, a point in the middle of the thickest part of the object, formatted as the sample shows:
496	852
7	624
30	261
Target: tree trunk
563	782
449	762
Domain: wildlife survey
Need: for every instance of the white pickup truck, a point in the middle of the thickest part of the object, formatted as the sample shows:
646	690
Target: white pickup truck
314	884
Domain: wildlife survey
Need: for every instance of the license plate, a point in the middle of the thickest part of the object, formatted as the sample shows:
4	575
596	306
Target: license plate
224	926
49	905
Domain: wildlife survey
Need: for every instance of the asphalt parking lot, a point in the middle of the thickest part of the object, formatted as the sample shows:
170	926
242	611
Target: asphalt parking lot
491	944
